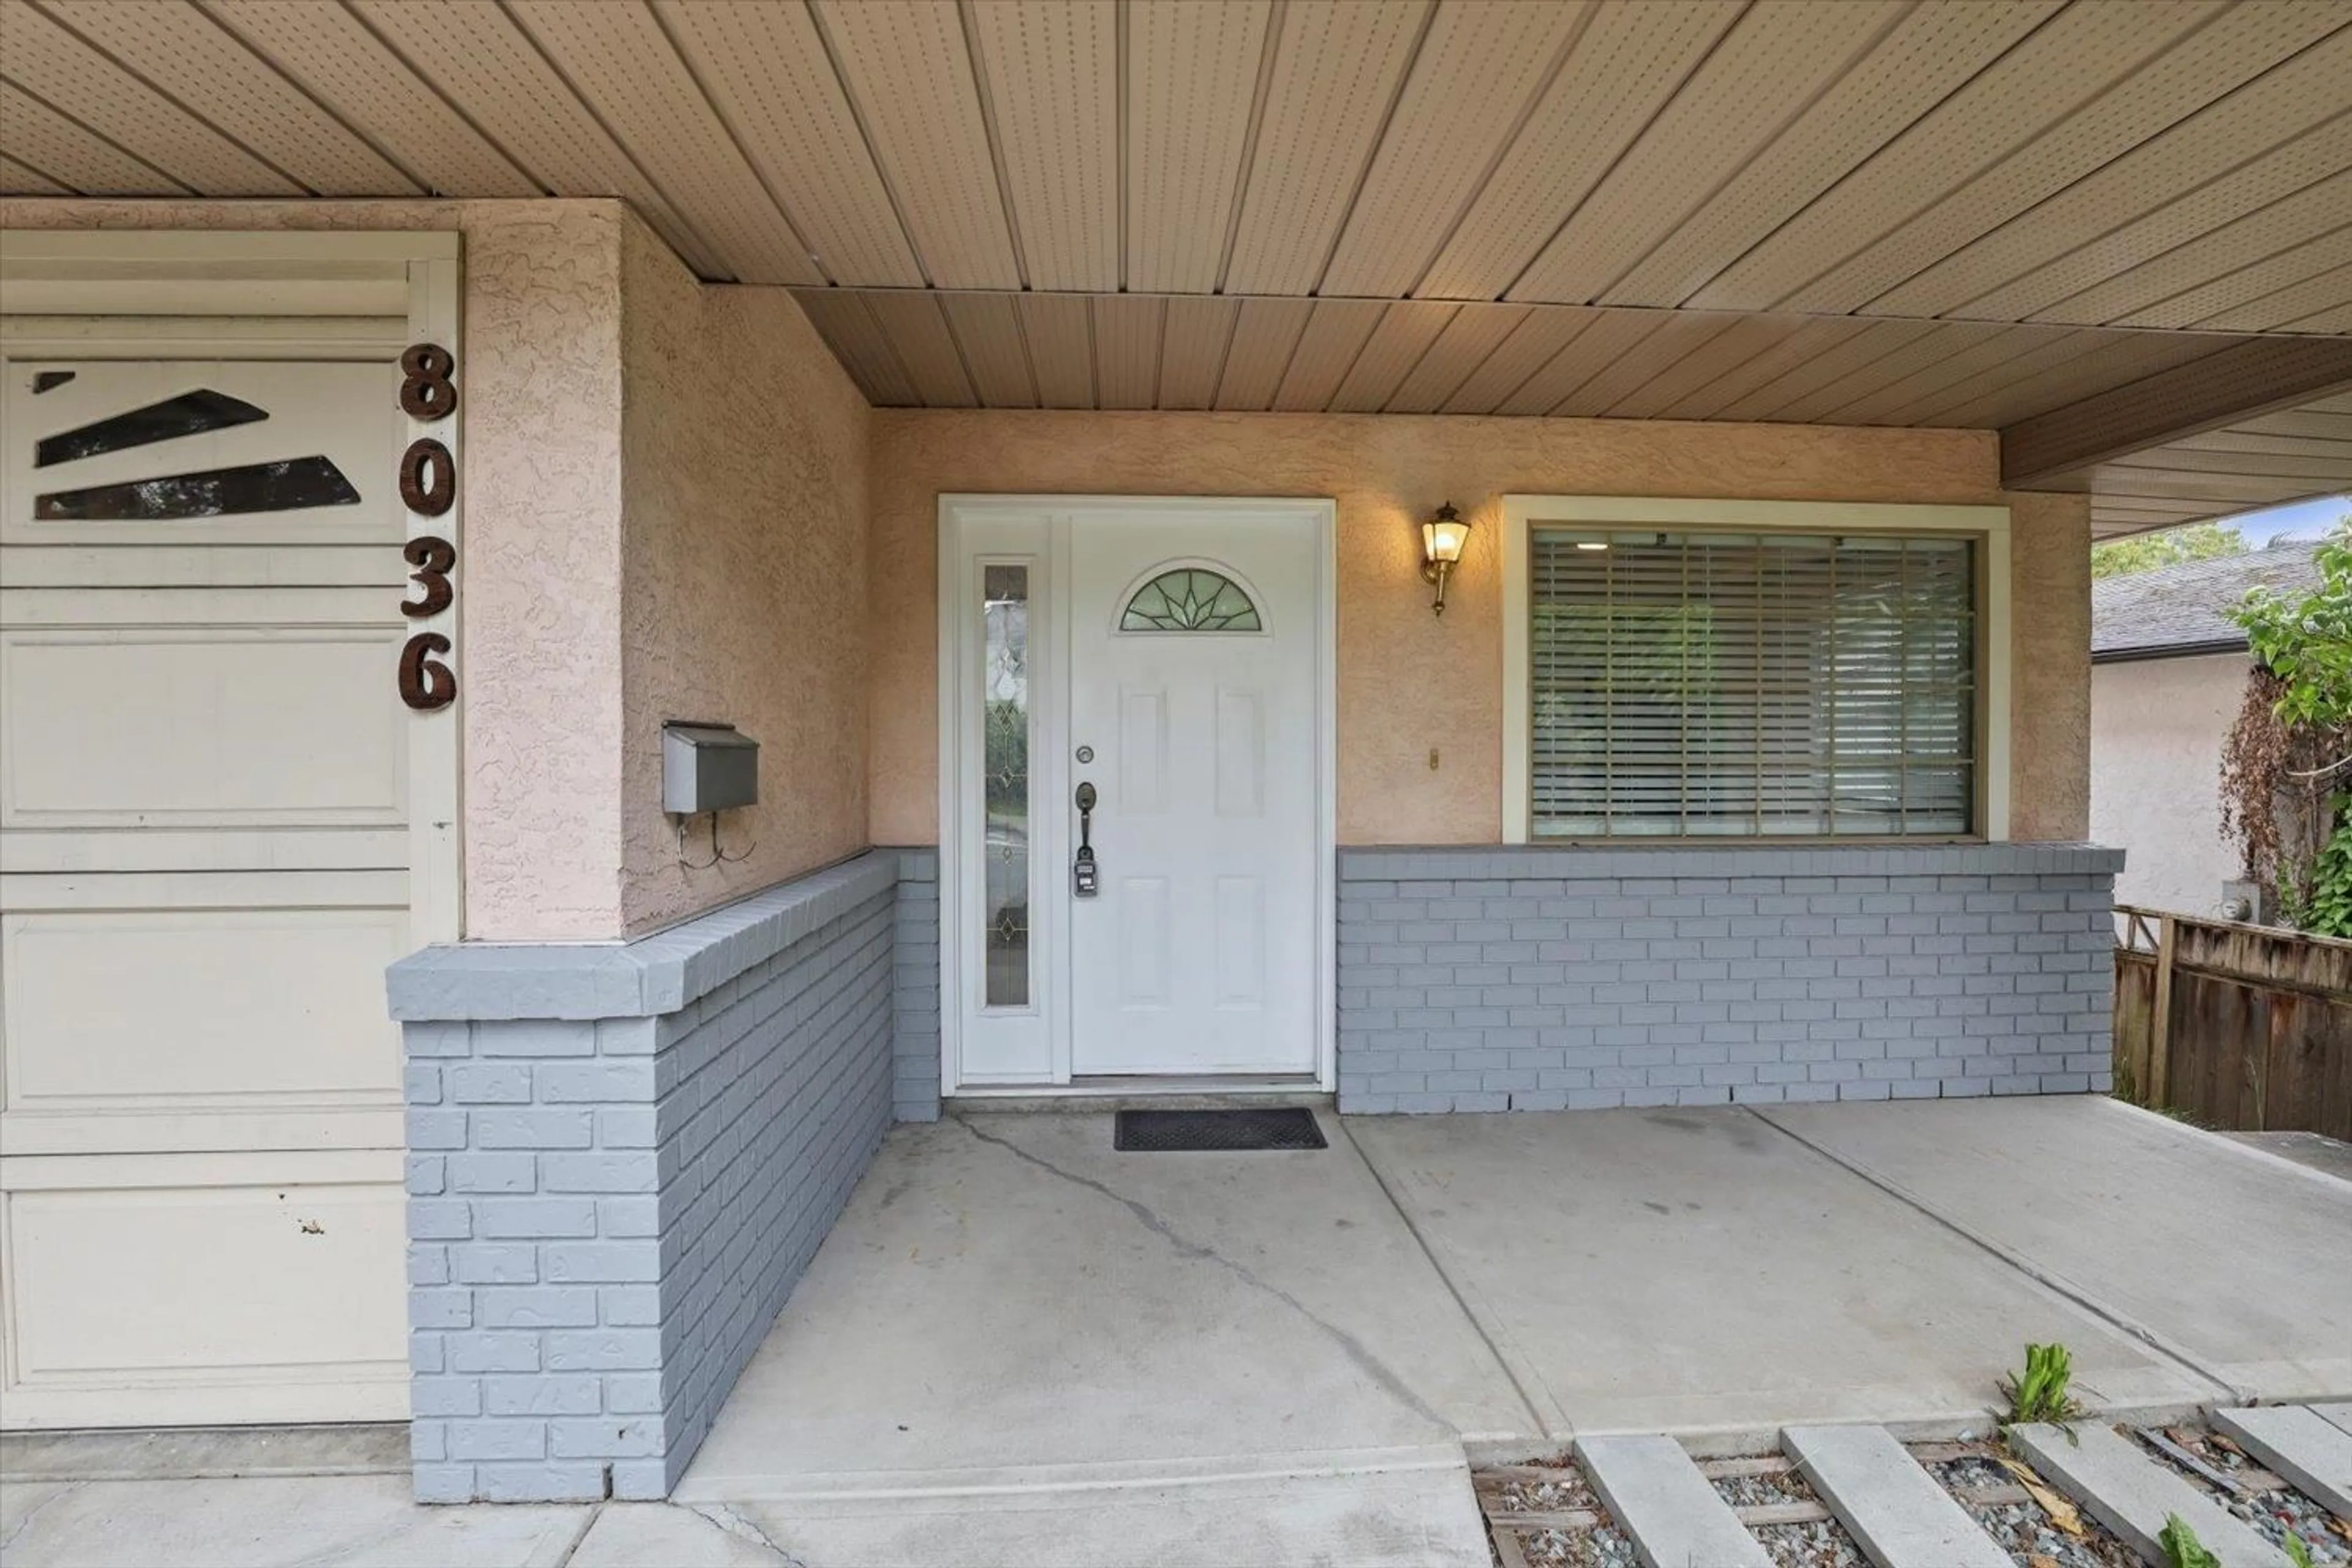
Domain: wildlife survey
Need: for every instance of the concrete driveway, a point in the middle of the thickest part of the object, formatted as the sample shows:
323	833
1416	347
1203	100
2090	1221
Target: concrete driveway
1021	1347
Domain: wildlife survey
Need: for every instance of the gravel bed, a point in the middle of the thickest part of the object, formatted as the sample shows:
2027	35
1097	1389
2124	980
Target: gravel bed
2023	1530
2273	1512
1549	1496
1821	1545
1603	1546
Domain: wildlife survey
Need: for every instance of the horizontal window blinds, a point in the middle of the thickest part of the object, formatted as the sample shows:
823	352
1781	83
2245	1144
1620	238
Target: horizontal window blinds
1705	684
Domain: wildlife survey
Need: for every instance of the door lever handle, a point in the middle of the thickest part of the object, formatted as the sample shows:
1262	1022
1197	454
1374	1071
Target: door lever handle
1084	879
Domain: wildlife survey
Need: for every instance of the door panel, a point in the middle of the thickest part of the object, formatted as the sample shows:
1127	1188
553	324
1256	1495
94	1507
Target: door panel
207	783
1240	936
1193	675
235	1009
217	726
130	1294
1241	754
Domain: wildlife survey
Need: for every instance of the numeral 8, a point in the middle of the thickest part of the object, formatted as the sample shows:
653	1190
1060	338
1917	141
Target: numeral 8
426	390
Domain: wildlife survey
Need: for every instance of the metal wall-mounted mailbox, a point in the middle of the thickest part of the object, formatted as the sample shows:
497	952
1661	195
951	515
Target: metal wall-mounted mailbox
708	767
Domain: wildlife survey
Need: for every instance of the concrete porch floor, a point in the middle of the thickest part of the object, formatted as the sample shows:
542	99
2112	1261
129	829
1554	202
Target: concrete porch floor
1010	1309
1021	1347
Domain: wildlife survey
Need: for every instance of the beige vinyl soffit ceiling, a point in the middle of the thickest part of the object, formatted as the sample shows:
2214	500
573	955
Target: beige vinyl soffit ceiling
982	349
1877	211
2104	162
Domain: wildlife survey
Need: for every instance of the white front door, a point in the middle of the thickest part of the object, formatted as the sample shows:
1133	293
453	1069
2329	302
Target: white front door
1171	659
1192	675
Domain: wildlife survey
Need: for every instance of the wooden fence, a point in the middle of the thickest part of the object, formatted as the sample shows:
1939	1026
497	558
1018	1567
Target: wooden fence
2241	1027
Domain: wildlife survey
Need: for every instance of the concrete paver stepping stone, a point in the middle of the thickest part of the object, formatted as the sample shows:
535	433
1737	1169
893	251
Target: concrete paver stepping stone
1674	1513
2301	1445
2132	1493
1897	1513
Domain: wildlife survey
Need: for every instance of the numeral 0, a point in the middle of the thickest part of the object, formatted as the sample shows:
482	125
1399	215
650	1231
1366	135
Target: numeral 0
428	477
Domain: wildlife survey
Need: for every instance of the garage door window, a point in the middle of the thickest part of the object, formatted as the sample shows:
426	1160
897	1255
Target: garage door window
287	484
190	414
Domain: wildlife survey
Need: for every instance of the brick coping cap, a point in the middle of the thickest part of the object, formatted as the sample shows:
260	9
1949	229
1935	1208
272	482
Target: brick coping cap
1437	862
652	975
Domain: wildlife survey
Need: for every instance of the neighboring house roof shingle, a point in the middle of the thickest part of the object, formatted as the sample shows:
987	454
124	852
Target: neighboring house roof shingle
2179	610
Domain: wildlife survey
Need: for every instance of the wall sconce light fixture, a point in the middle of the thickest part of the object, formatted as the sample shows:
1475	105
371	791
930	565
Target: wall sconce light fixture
1441	538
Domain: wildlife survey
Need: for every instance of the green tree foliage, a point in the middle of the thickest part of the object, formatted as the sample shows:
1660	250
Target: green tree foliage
2170	547
2305	640
2290	756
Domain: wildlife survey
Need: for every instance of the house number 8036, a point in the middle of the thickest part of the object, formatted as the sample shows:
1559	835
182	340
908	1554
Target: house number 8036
428	488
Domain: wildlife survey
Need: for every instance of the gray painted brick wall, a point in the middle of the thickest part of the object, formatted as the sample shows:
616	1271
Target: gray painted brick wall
620	1162
1519	978
915	1001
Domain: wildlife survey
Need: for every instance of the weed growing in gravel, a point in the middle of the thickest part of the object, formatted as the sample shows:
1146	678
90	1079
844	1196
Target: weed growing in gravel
2297	1551
2181	1547
2041	1395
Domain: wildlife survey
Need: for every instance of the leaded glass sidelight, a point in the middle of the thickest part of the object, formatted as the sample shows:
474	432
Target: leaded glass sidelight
1189	599
1005	772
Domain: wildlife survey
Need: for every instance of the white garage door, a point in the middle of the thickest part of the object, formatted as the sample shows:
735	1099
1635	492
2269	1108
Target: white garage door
208	788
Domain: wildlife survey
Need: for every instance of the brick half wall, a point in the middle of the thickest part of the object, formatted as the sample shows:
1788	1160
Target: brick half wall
621	1159
1536	978
915	1002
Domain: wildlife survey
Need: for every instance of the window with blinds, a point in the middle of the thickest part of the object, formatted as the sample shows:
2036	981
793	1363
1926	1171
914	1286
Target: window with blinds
1702	684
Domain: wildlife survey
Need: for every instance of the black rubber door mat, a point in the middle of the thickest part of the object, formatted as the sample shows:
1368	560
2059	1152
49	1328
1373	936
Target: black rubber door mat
1216	1132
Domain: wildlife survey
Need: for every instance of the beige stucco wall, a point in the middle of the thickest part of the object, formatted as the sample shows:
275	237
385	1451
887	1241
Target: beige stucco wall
742	574
1409	682
2050	669
539	661
2157	728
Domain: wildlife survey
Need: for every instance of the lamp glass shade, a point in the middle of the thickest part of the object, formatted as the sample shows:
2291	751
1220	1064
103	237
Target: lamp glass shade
1442	539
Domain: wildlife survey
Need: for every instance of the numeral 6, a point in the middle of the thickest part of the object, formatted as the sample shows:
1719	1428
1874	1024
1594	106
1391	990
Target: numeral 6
426	683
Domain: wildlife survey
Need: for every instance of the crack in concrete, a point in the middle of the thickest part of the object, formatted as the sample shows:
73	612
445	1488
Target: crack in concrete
34	1512
595	1512
1353	1348
722	1517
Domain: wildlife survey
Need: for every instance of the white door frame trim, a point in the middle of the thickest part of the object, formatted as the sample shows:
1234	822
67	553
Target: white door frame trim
954	667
